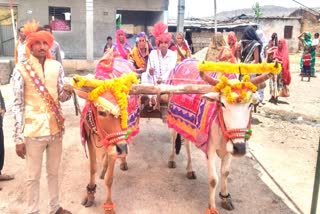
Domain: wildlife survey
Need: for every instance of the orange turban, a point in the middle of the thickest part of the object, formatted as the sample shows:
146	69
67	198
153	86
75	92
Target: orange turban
39	36
30	29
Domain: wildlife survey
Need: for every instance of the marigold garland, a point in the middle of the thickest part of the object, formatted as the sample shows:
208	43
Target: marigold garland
234	90
119	87
239	68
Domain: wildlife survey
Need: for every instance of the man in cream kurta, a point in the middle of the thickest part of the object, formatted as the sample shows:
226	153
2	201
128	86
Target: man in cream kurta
38	87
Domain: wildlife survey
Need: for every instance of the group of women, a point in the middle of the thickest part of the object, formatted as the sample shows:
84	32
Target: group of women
252	48
139	54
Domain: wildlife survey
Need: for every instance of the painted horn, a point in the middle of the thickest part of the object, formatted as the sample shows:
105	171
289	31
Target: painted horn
259	79
208	79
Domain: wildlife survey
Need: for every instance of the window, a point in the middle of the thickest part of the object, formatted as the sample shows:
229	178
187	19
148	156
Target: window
60	18
288	32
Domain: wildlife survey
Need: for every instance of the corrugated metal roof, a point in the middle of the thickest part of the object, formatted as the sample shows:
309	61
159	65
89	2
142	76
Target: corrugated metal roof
207	23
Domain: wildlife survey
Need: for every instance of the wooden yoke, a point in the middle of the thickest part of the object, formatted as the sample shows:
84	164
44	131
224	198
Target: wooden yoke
143	89
162	91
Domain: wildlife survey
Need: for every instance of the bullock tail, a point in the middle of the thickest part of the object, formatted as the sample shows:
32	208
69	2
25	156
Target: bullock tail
178	144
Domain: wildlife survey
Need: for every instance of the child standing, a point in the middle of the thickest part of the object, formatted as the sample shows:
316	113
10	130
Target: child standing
306	69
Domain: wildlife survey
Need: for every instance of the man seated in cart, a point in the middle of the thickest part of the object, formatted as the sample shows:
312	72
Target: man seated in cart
161	61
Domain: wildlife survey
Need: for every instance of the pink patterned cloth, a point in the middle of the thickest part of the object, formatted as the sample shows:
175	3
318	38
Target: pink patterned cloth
188	114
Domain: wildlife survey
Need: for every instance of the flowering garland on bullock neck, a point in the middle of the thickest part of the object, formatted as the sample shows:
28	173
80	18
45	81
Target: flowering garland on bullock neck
119	87
239	68
234	90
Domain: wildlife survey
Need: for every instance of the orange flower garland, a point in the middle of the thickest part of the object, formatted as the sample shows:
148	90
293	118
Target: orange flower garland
119	87
236	91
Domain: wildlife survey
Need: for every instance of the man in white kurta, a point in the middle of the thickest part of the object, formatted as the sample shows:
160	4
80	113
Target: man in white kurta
161	61
160	65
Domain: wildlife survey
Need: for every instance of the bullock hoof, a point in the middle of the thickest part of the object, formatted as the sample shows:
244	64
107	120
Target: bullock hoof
172	164
191	175
226	202
87	201
103	172
124	166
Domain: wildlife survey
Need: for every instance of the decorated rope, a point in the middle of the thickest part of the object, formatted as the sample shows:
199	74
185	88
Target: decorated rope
45	95
239	68
119	87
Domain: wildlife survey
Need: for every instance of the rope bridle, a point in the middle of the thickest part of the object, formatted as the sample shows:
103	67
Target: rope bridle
231	134
94	125
109	138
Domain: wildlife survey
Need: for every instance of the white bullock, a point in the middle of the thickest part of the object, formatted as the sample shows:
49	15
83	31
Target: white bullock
227	137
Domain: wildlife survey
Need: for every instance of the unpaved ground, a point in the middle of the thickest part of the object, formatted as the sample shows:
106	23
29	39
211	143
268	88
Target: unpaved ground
285	141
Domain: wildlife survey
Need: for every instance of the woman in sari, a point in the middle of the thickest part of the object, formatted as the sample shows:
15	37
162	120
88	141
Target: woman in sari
215	47
279	83
271	48
251	47
121	48
140	53
306	39
181	47
233	44
225	54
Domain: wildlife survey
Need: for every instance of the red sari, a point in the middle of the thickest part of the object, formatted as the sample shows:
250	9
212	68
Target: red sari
282	55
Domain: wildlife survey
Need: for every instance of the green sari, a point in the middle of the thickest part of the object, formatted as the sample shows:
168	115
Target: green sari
307	43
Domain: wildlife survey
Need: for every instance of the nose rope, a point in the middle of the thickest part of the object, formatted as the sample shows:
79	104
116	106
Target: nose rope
231	134
115	137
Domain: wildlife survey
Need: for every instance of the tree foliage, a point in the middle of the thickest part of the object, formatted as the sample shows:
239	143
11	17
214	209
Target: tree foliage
257	10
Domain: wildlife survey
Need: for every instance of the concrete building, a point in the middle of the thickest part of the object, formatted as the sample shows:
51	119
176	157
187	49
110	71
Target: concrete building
310	21
288	28
199	31
82	26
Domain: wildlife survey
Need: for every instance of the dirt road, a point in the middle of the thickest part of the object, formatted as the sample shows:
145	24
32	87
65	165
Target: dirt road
285	140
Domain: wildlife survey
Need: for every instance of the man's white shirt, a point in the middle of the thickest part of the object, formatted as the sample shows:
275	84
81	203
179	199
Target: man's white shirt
161	65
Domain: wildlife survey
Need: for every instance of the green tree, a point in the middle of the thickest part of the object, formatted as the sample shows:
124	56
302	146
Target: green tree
257	10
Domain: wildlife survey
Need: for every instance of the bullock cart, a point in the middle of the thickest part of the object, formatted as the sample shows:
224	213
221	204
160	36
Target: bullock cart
107	129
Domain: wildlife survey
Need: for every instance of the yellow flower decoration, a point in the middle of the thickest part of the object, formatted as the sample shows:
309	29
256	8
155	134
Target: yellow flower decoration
234	90
239	68
119	87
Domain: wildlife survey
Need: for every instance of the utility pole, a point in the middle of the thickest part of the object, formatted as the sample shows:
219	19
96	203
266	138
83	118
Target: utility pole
89	29
215	17
180	21
13	22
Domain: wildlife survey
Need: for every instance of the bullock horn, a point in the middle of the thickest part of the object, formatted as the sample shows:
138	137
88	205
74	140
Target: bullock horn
75	80
259	79
208	79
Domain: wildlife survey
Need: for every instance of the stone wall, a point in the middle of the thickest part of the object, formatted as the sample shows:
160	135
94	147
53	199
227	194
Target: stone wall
6	67
271	25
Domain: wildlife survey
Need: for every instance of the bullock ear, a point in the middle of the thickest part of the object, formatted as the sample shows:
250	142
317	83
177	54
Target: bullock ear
212	96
